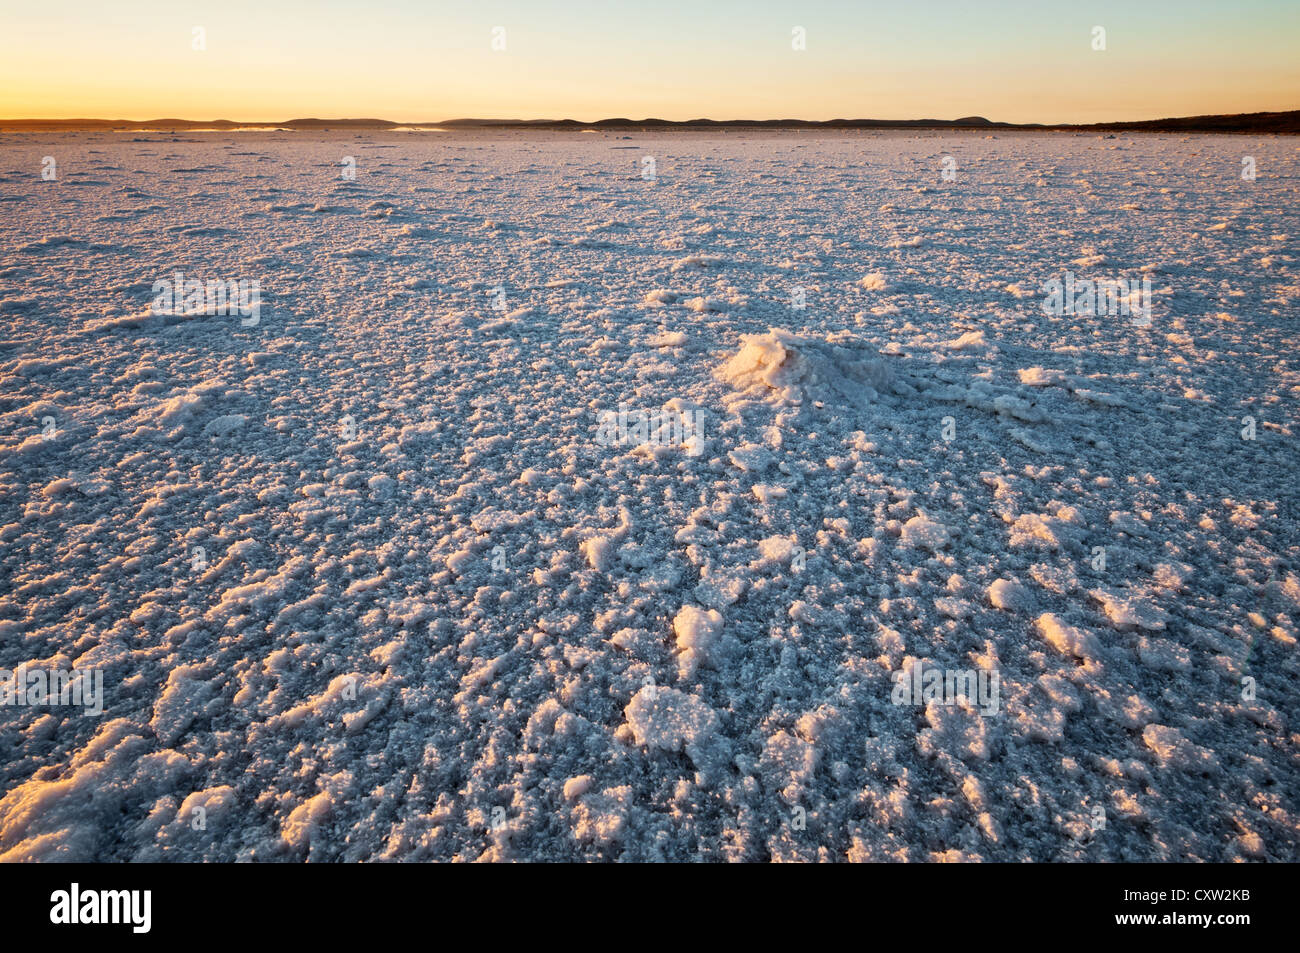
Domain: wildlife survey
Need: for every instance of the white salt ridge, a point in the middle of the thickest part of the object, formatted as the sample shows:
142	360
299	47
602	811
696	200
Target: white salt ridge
924	533
1067	639
785	367
697	631
670	720
1010	595
1130	610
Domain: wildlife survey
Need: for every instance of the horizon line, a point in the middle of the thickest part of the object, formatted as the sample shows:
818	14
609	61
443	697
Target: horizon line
1287	121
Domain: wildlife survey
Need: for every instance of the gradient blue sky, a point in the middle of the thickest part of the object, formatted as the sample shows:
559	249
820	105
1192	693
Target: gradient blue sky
1018	61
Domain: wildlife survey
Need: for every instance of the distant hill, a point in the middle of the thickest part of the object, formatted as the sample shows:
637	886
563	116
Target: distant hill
1287	123
1283	122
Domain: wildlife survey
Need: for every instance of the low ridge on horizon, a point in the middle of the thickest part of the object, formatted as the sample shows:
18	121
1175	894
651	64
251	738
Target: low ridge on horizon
1286	122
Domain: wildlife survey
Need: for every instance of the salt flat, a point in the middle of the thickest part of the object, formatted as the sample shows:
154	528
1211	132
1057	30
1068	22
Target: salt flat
366	579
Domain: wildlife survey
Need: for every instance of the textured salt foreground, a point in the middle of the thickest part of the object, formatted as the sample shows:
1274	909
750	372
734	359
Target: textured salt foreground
363	584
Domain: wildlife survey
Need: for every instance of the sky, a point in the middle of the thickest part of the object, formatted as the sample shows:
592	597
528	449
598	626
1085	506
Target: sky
273	60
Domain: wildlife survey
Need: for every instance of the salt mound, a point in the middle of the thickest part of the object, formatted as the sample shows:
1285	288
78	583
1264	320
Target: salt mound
789	368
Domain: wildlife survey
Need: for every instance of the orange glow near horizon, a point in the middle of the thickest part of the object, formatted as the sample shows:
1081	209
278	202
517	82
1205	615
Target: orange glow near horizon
1019	63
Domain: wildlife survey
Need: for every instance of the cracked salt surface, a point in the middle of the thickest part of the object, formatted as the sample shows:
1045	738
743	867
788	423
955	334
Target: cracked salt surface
363	584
